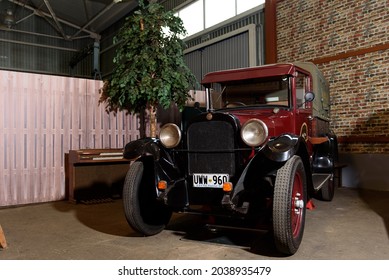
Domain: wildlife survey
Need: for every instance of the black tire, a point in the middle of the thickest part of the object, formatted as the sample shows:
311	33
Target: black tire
144	213
289	206
327	192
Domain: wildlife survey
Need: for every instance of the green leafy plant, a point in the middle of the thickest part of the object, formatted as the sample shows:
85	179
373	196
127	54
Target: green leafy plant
150	70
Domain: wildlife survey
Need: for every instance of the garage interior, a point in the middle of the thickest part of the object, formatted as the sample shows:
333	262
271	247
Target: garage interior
54	57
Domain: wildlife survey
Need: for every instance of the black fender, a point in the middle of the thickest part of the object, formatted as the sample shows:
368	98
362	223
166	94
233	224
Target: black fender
164	164
142	147
269	159
283	147
325	155
161	164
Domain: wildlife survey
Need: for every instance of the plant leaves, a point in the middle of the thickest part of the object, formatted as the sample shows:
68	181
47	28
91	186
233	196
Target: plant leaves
149	63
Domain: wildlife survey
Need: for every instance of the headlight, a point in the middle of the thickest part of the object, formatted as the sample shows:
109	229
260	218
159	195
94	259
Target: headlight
170	135
254	132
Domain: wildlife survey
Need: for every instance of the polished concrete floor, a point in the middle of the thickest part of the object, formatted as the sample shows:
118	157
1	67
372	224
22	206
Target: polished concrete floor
355	225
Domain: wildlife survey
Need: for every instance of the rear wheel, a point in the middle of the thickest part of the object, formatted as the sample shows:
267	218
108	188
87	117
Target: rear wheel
144	213
289	205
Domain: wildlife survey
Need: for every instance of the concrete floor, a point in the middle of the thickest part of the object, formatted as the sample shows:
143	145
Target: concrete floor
355	225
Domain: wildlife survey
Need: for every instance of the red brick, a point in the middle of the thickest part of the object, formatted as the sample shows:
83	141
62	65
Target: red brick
359	85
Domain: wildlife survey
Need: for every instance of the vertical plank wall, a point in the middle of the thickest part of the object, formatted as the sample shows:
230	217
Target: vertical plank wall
42	117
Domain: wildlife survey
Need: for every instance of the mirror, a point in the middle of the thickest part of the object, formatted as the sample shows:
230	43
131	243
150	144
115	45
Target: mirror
309	96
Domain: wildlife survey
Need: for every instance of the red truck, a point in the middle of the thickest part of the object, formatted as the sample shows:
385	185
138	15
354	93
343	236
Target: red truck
257	150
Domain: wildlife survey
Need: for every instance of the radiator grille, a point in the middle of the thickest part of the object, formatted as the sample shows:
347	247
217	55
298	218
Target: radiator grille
211	145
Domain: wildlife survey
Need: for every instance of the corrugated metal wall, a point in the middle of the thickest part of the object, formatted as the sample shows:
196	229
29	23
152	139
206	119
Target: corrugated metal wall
227	46
256	18
26	51
230	53
42	117
226	54
108	49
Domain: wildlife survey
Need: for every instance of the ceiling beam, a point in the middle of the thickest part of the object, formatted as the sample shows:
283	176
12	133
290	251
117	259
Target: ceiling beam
54	17
38	45
30	33
44	14
106	9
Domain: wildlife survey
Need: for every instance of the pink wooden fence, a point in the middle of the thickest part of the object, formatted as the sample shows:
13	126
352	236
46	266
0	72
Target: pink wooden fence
42	117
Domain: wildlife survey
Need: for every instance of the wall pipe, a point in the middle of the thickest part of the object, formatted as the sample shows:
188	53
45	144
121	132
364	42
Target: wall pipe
270	31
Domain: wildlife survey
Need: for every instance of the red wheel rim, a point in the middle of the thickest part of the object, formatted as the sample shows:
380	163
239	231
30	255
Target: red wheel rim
298	205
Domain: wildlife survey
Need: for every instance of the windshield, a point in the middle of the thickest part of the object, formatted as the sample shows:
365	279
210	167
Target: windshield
256	92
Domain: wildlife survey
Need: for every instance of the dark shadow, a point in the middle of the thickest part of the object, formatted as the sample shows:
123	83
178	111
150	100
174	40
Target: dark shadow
106	216
378	201
366	150
109	218
99	191
201	229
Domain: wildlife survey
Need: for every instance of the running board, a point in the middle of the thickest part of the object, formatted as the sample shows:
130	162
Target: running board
319	179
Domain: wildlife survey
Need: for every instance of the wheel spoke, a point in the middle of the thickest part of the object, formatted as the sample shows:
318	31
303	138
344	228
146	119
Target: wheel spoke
297	204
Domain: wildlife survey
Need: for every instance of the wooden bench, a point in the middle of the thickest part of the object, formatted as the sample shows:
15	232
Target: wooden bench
94	175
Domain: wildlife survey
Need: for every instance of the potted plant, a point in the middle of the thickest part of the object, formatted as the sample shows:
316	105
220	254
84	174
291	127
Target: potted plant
150	70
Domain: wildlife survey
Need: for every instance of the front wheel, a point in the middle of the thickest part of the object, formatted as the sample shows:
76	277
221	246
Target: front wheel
289	205
144	213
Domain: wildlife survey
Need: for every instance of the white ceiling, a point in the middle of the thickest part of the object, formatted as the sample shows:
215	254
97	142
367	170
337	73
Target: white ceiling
86	17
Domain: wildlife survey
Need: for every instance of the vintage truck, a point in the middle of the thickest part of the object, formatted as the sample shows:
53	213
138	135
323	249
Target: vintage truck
256	152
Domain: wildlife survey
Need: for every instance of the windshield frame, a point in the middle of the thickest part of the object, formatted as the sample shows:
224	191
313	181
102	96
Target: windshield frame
266	92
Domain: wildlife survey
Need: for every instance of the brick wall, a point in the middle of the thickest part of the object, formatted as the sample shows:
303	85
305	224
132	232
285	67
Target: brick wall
349	41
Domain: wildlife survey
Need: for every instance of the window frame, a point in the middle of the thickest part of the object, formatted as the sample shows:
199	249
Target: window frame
203	17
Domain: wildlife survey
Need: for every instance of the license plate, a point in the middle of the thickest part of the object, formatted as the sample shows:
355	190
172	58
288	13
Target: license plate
209	180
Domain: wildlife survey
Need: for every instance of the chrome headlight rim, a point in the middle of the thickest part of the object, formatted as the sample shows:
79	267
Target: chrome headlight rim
248	128
170	135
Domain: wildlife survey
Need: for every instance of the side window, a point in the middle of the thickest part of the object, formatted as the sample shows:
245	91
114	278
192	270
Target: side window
300	90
